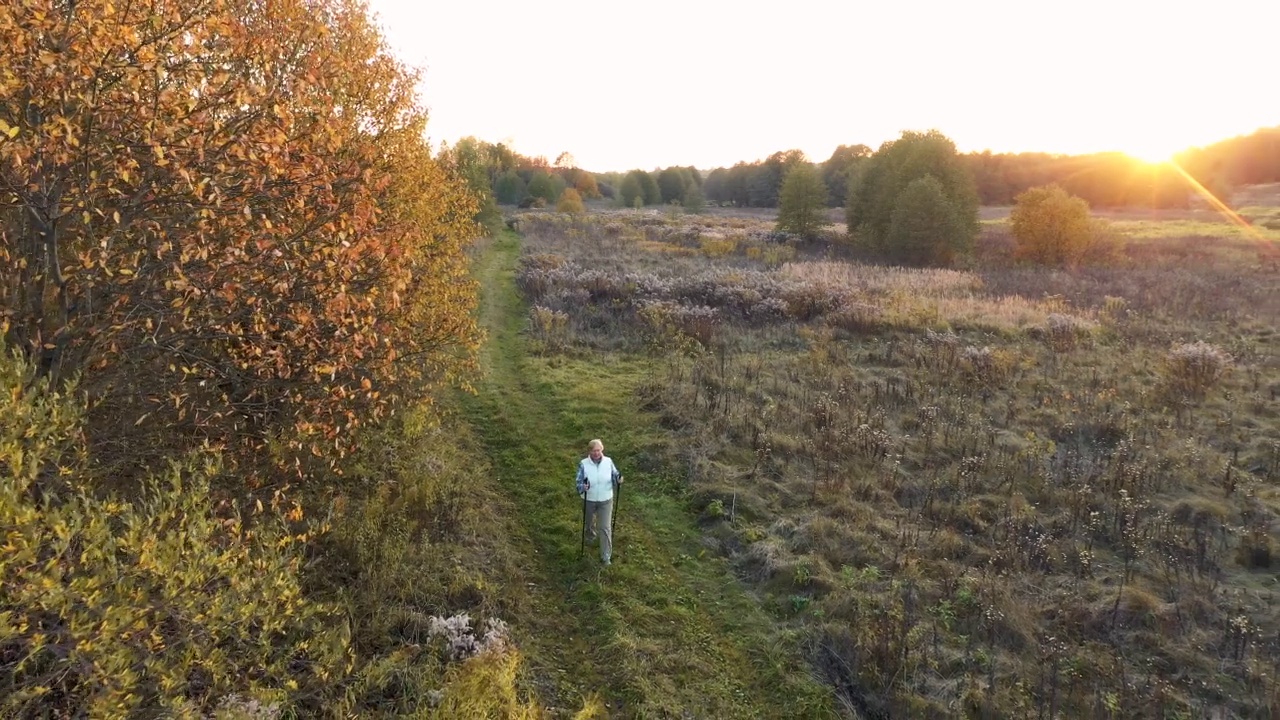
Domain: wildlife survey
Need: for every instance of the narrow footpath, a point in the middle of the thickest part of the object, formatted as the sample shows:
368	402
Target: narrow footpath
666	631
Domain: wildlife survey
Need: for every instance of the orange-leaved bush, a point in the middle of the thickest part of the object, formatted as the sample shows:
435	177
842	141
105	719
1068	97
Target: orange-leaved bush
570	202
223	215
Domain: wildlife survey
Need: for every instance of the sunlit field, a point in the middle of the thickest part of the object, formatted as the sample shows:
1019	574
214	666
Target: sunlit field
993	491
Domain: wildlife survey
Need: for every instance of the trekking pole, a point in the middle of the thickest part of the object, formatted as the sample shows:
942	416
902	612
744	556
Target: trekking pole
613	518
583	551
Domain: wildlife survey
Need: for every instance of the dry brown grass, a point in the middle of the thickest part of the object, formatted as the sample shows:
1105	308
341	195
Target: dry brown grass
984	484
934	298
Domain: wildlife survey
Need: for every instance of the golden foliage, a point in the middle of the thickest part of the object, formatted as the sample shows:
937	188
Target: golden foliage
485	687
717	246
224	214
570	202
1051	226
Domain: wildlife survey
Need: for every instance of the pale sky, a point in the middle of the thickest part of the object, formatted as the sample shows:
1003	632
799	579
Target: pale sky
656	83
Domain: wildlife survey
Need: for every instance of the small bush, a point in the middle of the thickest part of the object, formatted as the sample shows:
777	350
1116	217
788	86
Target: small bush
1063	332
570	202
802	574
1051	226
714	246
549	328
671	327
981	365
459	640
1114	308
1191	369
775	256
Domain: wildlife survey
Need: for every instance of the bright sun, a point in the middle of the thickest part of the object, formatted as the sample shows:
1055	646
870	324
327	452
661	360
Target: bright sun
1152	150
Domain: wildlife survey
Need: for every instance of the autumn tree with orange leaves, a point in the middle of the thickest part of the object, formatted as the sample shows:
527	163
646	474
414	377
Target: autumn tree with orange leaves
222	215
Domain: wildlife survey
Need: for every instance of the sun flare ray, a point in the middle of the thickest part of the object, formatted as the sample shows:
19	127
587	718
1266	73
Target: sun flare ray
1222	208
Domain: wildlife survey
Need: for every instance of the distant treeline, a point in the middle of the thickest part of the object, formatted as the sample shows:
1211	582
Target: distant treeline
1103	179
501	175
1115	179
1245	160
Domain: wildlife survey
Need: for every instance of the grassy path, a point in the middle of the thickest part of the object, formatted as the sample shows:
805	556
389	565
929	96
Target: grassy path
665	631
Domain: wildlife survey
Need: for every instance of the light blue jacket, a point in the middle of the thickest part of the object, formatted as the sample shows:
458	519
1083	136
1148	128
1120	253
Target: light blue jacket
597	479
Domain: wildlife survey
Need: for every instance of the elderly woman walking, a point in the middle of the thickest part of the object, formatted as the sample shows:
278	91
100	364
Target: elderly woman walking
597	479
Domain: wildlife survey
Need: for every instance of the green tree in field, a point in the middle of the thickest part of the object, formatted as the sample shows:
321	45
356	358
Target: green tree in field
509	188
469	160
543	185
839	168
694	200
874	197
582	181
738	182
802	201
715	187
1051	226
652	195
631	189
672	183
641	184
570	202
765	184
924	227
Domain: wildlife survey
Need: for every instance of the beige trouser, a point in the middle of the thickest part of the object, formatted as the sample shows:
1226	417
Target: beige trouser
600	518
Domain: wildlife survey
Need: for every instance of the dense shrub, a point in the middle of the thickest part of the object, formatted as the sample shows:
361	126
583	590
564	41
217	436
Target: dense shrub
249	228
545	187
570	202
549	328
159	606
716	246
1053	227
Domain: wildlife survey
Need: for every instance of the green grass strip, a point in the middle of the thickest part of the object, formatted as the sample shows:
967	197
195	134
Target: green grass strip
667	631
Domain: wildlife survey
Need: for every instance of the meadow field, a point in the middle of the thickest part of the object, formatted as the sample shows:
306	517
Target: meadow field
989	491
